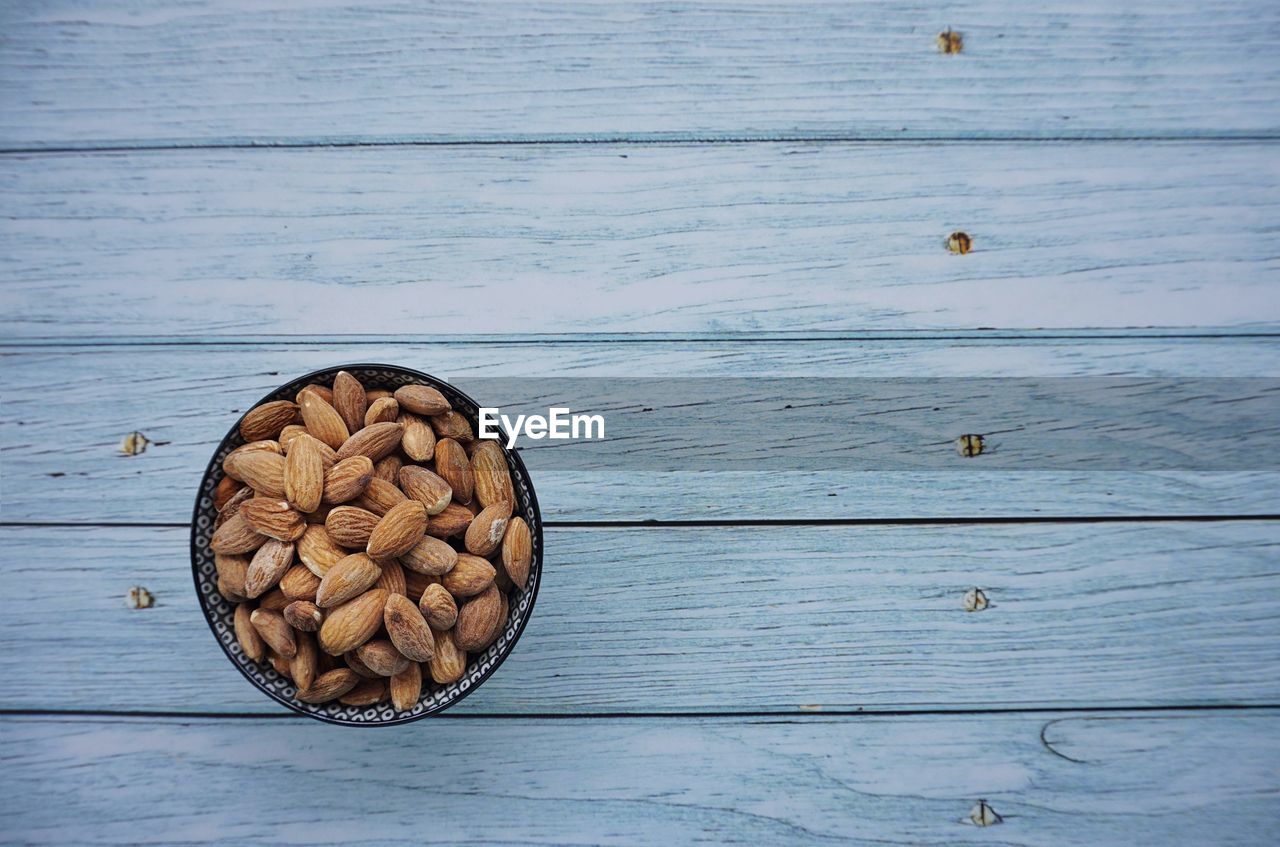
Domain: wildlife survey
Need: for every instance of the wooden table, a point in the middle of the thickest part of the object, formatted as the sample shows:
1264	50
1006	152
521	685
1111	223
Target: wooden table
201	200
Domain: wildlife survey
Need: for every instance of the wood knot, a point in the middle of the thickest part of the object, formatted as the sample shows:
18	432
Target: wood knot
983	815
975	600
950	41
134	443
959	243
140	598
970	445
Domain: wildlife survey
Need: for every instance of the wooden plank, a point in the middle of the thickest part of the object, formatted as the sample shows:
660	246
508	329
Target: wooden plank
61	464
717	619
1057	779
162	72
608	239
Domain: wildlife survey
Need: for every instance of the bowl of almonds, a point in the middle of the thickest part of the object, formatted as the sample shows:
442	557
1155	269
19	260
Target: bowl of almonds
359	554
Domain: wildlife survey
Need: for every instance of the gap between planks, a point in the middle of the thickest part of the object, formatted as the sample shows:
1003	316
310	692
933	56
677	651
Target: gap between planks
295	341
987	520
1057	780
768	716
621	140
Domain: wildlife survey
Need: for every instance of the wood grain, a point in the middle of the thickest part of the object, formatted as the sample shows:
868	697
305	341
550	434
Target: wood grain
728	619
61	464
282	72
1058	779
608	239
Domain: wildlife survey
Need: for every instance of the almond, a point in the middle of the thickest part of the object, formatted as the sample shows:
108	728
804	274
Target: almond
350	578
320	515
236	536
224	491
438	608
231	568
353	662
407	629
302	667
387	469
375	441
317	550
500	577
303	615
329	686
328	456
269	564
421	400
374	394
304	474
250	641
265	421
381	657
299	583
452	425
273	601
484	535
322	390
322	420
288	434
380	497
477	619
502	623
265	446
347	480
382	410
232	507
367	692
455	468
426	487
275	631
353	623
492	476
228	591
398	531
349	400
280	663
449	663
261	470
454	520
517	551
469	576
415	583
430	556
274	518
406	687
419	440
392	578
350	526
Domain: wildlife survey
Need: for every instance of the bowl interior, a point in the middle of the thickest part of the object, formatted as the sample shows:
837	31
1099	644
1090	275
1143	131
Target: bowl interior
220	612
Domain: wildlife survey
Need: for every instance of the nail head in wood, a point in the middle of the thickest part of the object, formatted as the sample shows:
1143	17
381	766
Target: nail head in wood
959	243
970	445
975	600
140	598
134	443
950	41
983	815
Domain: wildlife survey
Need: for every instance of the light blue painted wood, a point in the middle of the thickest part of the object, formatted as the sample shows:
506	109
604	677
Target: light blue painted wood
191	395
1057	779
721	238
133	72
716	619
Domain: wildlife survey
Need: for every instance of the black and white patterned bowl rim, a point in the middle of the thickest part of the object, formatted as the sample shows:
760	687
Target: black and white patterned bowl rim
220	612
